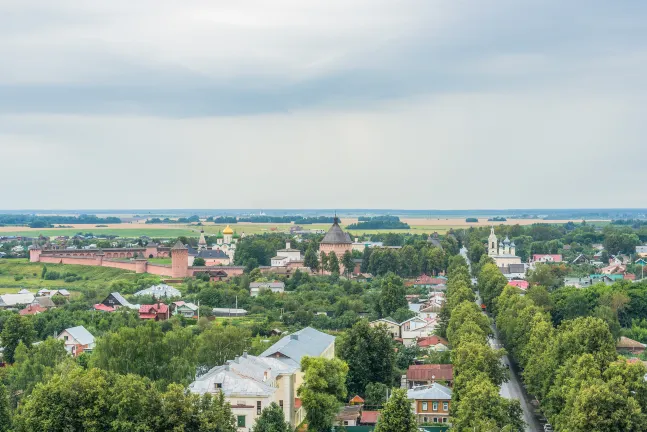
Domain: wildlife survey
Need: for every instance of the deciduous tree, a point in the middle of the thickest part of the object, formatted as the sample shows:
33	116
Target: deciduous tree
397	415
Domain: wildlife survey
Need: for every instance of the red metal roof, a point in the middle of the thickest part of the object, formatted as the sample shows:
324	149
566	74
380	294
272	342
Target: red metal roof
154	308
356	399
369	417
32	310
104	308
519	284
431	341
147	315
430	372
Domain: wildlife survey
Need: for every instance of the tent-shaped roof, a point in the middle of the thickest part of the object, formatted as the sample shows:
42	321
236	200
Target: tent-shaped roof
178	246
336	235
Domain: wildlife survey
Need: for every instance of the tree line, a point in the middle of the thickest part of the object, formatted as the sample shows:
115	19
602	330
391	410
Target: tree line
478	370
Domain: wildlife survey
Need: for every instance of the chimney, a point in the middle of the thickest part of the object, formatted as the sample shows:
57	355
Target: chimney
356	239
244	354
287	244
294	336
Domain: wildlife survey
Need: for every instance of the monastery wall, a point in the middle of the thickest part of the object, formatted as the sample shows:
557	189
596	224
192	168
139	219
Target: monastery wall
157	269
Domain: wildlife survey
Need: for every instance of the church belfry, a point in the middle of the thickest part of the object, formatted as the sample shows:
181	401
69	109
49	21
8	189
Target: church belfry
493	244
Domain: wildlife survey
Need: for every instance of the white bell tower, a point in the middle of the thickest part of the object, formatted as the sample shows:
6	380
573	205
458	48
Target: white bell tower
493	244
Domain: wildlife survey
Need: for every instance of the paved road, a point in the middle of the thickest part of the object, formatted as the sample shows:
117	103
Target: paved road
513	388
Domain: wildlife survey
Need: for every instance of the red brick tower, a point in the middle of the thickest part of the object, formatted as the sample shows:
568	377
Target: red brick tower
179	260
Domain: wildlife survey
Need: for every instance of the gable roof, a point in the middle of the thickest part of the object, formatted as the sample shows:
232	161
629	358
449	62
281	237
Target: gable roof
430	372
336	235
44	301
32	309
122	301
81	335
431	392
626	343
305	342
16	299
431	341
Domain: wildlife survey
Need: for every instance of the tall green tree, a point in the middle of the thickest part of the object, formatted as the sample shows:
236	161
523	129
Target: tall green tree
199	262
333	263
5	412
397	415
347	262
366	259
310	259
324	261
16	329
392	295
272	419
324	386
370	356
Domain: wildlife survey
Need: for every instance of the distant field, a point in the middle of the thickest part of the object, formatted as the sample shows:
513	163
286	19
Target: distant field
133	230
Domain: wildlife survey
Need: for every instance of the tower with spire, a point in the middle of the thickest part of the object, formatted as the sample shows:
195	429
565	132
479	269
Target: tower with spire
493	243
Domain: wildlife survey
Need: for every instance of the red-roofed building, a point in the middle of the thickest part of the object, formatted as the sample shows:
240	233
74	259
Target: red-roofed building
521	284
104	308
546	258
427	374
356	400
434	342
630	276
157	312
32	310
424	281
369	418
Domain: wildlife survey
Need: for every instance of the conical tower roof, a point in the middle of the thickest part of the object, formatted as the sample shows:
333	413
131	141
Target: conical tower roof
202	240
336	235
178	246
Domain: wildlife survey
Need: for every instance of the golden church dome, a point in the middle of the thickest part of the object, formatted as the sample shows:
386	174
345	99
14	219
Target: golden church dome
228	230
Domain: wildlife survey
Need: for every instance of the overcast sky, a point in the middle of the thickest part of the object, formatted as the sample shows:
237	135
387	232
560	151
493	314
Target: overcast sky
416	104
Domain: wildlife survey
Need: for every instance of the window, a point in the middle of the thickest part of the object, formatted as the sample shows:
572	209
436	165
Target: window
434	406
445	406
241	421
444	419
345	422
425	406
258	407
435	419
281	404
424	419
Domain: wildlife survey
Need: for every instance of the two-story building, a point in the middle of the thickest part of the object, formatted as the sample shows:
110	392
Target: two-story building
77	340
251	383
431	403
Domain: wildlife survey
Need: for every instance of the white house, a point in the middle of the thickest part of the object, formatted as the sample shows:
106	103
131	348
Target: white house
256	287
251	383
284	256
76	340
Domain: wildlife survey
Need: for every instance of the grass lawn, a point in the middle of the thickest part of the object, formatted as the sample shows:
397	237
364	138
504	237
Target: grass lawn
93	277
165	261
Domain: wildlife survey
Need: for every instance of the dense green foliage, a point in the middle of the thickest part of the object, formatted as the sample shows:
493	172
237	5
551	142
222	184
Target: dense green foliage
323	389
272	419
369	353
397	415
573	369
76	399
478	371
